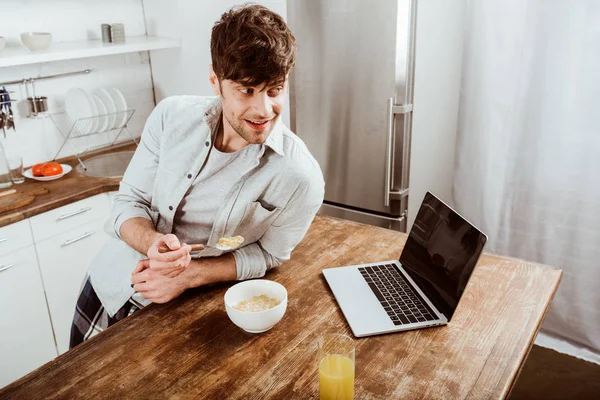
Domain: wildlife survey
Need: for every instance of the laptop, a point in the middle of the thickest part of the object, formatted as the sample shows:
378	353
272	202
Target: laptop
420	290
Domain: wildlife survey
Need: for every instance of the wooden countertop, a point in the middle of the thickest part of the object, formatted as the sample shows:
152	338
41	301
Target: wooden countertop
70	188
188	348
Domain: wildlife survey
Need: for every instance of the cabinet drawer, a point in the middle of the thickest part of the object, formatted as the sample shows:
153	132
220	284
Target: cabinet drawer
25	331
66	218
15	236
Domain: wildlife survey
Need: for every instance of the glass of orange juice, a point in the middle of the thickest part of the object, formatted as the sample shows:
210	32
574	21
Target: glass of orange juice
336	367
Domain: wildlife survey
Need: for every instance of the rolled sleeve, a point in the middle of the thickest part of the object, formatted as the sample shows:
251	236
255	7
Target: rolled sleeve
131	210
250	262
253	262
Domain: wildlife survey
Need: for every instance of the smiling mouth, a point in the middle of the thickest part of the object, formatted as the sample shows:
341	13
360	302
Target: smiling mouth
258	125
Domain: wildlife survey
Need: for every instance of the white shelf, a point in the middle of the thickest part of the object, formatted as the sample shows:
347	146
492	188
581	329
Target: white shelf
12	56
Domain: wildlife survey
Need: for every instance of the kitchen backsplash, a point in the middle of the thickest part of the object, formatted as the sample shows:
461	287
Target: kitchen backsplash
38	140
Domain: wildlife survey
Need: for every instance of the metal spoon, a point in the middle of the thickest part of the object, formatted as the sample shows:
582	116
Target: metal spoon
220	246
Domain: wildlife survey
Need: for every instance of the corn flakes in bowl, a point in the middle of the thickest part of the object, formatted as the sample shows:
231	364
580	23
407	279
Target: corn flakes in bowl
256	305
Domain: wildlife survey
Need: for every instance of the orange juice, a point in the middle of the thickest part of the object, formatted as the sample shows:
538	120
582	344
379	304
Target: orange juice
336	378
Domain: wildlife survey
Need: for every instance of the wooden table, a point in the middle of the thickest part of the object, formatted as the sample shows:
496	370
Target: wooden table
189	348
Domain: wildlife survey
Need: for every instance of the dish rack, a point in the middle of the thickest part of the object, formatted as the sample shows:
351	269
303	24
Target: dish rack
88	126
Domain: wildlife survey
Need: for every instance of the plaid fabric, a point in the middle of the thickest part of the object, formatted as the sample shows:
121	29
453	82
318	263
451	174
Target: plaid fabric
90	316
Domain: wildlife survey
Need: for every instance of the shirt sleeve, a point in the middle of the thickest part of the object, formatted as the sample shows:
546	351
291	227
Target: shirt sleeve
284	234
134	198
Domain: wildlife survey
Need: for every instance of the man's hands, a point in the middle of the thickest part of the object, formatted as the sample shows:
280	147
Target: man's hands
154	278
167	255
165	276
158	287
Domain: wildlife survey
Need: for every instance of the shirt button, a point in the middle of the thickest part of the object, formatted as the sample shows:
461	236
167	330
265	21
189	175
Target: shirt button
207	143
189	176
171	208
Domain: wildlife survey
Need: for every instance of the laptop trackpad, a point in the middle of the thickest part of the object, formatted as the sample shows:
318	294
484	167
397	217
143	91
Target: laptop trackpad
361	308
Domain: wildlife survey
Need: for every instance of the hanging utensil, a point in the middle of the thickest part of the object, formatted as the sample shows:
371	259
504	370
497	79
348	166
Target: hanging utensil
33	105
37	104
10	117
3	116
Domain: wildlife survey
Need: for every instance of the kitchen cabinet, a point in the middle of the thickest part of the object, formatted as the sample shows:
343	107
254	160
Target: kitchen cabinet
37	301
14	237
25	330
64	262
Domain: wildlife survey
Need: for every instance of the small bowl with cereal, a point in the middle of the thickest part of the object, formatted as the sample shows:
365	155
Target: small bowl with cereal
256	305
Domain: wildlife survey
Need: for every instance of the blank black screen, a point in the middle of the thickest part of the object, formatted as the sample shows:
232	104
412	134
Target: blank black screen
441	252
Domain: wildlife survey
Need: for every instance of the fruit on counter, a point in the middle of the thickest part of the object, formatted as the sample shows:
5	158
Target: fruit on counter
51	169
47	169
37	169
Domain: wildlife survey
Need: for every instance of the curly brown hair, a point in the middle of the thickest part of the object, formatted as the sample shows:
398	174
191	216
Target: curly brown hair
252	45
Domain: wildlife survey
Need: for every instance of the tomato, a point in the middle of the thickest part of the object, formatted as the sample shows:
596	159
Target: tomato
37	169
51	169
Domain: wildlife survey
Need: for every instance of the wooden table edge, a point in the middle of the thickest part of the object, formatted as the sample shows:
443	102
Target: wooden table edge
531	339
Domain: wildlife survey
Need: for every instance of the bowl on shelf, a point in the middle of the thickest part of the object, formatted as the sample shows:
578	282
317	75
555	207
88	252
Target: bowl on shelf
35	41
2	43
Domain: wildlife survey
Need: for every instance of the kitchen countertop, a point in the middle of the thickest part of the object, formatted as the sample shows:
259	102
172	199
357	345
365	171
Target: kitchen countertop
188	348
70	188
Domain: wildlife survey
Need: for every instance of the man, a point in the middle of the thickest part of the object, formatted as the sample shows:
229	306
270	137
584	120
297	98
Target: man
206	168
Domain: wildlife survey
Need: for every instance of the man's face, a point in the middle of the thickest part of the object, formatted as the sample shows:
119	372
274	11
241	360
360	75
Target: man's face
251	111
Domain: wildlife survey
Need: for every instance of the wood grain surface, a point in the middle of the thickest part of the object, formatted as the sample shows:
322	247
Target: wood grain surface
188	348
72	187
20	199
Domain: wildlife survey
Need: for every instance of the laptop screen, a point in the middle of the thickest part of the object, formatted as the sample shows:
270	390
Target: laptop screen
441	252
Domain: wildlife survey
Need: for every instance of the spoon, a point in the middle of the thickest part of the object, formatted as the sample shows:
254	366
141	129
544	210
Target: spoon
224	244
229	243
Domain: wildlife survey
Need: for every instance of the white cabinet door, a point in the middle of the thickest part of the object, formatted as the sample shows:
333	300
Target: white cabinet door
64	262
26	340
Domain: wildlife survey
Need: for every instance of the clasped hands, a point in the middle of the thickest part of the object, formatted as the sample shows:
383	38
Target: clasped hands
159	278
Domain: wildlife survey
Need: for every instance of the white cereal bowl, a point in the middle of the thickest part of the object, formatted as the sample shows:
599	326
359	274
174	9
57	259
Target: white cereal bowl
261	321
36	40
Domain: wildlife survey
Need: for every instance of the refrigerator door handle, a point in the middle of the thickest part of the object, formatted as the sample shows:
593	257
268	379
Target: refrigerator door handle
389	154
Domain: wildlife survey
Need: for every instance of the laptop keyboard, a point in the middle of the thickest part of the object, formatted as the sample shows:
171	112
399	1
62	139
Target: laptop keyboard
402	304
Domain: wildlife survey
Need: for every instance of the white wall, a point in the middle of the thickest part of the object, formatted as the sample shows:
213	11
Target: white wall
185	70
437	87
38	140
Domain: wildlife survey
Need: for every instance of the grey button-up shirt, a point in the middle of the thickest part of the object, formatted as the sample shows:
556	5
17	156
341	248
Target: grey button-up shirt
271	206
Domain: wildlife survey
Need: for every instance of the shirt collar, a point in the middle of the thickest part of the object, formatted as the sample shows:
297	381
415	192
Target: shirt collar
274	140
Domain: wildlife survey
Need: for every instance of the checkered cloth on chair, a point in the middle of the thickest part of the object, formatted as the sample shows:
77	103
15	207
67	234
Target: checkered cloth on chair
90	316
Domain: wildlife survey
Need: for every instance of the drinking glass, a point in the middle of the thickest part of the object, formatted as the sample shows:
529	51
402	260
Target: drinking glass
15	164
336	367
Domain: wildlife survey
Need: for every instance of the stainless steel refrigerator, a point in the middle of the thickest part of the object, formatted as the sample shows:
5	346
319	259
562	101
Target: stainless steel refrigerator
351	98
